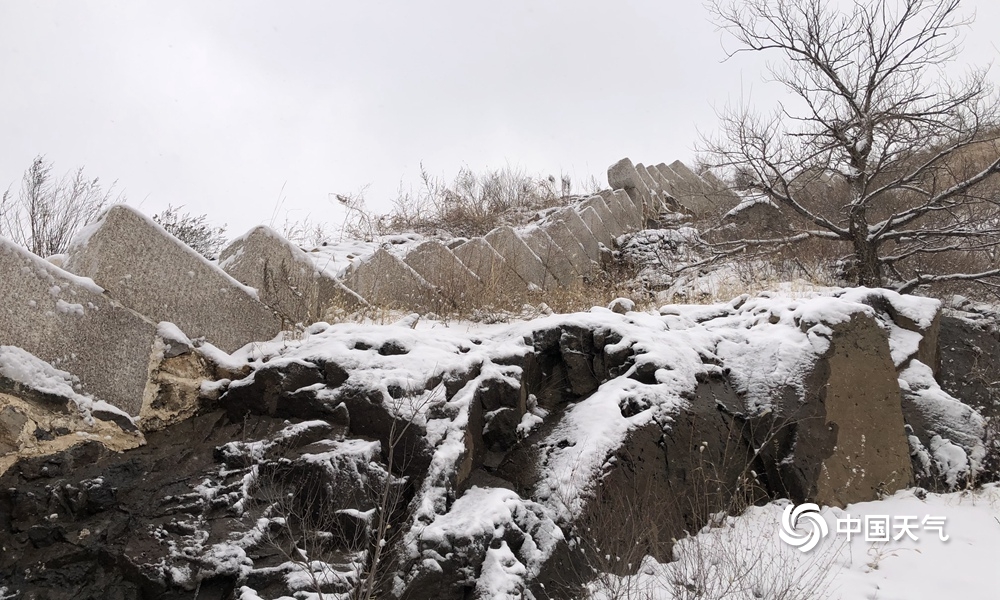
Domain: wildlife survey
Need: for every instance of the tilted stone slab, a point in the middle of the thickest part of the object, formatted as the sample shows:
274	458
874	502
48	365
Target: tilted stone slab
694	193
570	245
662	174
520	257
285	278
596	226
586	237
623	175
655	191
551	255
608	218
720	190
440	267
482	259
623	213
385	280
155	274
69	322
630	210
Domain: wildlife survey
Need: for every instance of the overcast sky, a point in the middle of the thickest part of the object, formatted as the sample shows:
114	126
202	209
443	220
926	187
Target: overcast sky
217	106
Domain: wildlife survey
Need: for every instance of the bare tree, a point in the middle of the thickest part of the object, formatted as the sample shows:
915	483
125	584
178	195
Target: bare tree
877	150
46	212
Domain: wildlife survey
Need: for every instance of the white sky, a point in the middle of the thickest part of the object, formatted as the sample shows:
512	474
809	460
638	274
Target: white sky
218	105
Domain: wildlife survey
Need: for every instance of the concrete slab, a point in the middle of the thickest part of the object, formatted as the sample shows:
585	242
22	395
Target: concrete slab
551	255
438	265
570	245
69	322
148	270
285	278
500	279
608	219
383	279
520	257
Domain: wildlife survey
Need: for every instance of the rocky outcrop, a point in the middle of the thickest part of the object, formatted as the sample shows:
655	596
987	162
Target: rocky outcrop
466	465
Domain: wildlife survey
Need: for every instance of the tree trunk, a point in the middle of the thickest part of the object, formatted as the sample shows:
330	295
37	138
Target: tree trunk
868	268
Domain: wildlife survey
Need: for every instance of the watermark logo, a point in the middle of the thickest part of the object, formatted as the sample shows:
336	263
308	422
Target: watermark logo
794	534
803	527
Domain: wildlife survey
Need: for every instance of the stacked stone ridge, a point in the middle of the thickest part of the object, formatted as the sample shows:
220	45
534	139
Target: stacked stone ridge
499	277
604	213
148	270
433	261
124	273
521	258
385	280
285	278
69	322
571	246
551	255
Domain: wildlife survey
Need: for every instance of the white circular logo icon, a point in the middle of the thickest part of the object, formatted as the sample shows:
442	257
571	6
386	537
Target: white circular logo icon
803	538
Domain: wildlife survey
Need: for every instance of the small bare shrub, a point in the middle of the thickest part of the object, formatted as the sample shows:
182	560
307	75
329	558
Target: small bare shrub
194	230
47	212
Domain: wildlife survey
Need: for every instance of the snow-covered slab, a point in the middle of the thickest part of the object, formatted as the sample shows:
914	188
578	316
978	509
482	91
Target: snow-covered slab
69	322
571	246
386	280
590	243
520	257
608	219
155	274
552	256
490	266
440	267
285	277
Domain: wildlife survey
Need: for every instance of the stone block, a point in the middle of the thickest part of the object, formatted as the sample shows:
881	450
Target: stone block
583	234
69	322
155	274
520	257
837	456
608	219
285	278
623	175
655	196
551	255
625	210
694	194
438	265
570	245
596	226
482	259
385	280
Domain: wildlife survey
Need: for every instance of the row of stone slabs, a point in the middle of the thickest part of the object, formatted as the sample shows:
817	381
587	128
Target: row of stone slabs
97	313
98	316
672	187
504	265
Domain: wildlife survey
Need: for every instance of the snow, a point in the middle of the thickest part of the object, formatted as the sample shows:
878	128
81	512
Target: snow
82	238
748	202
747	557
26	369
766	343
956	430
502	576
